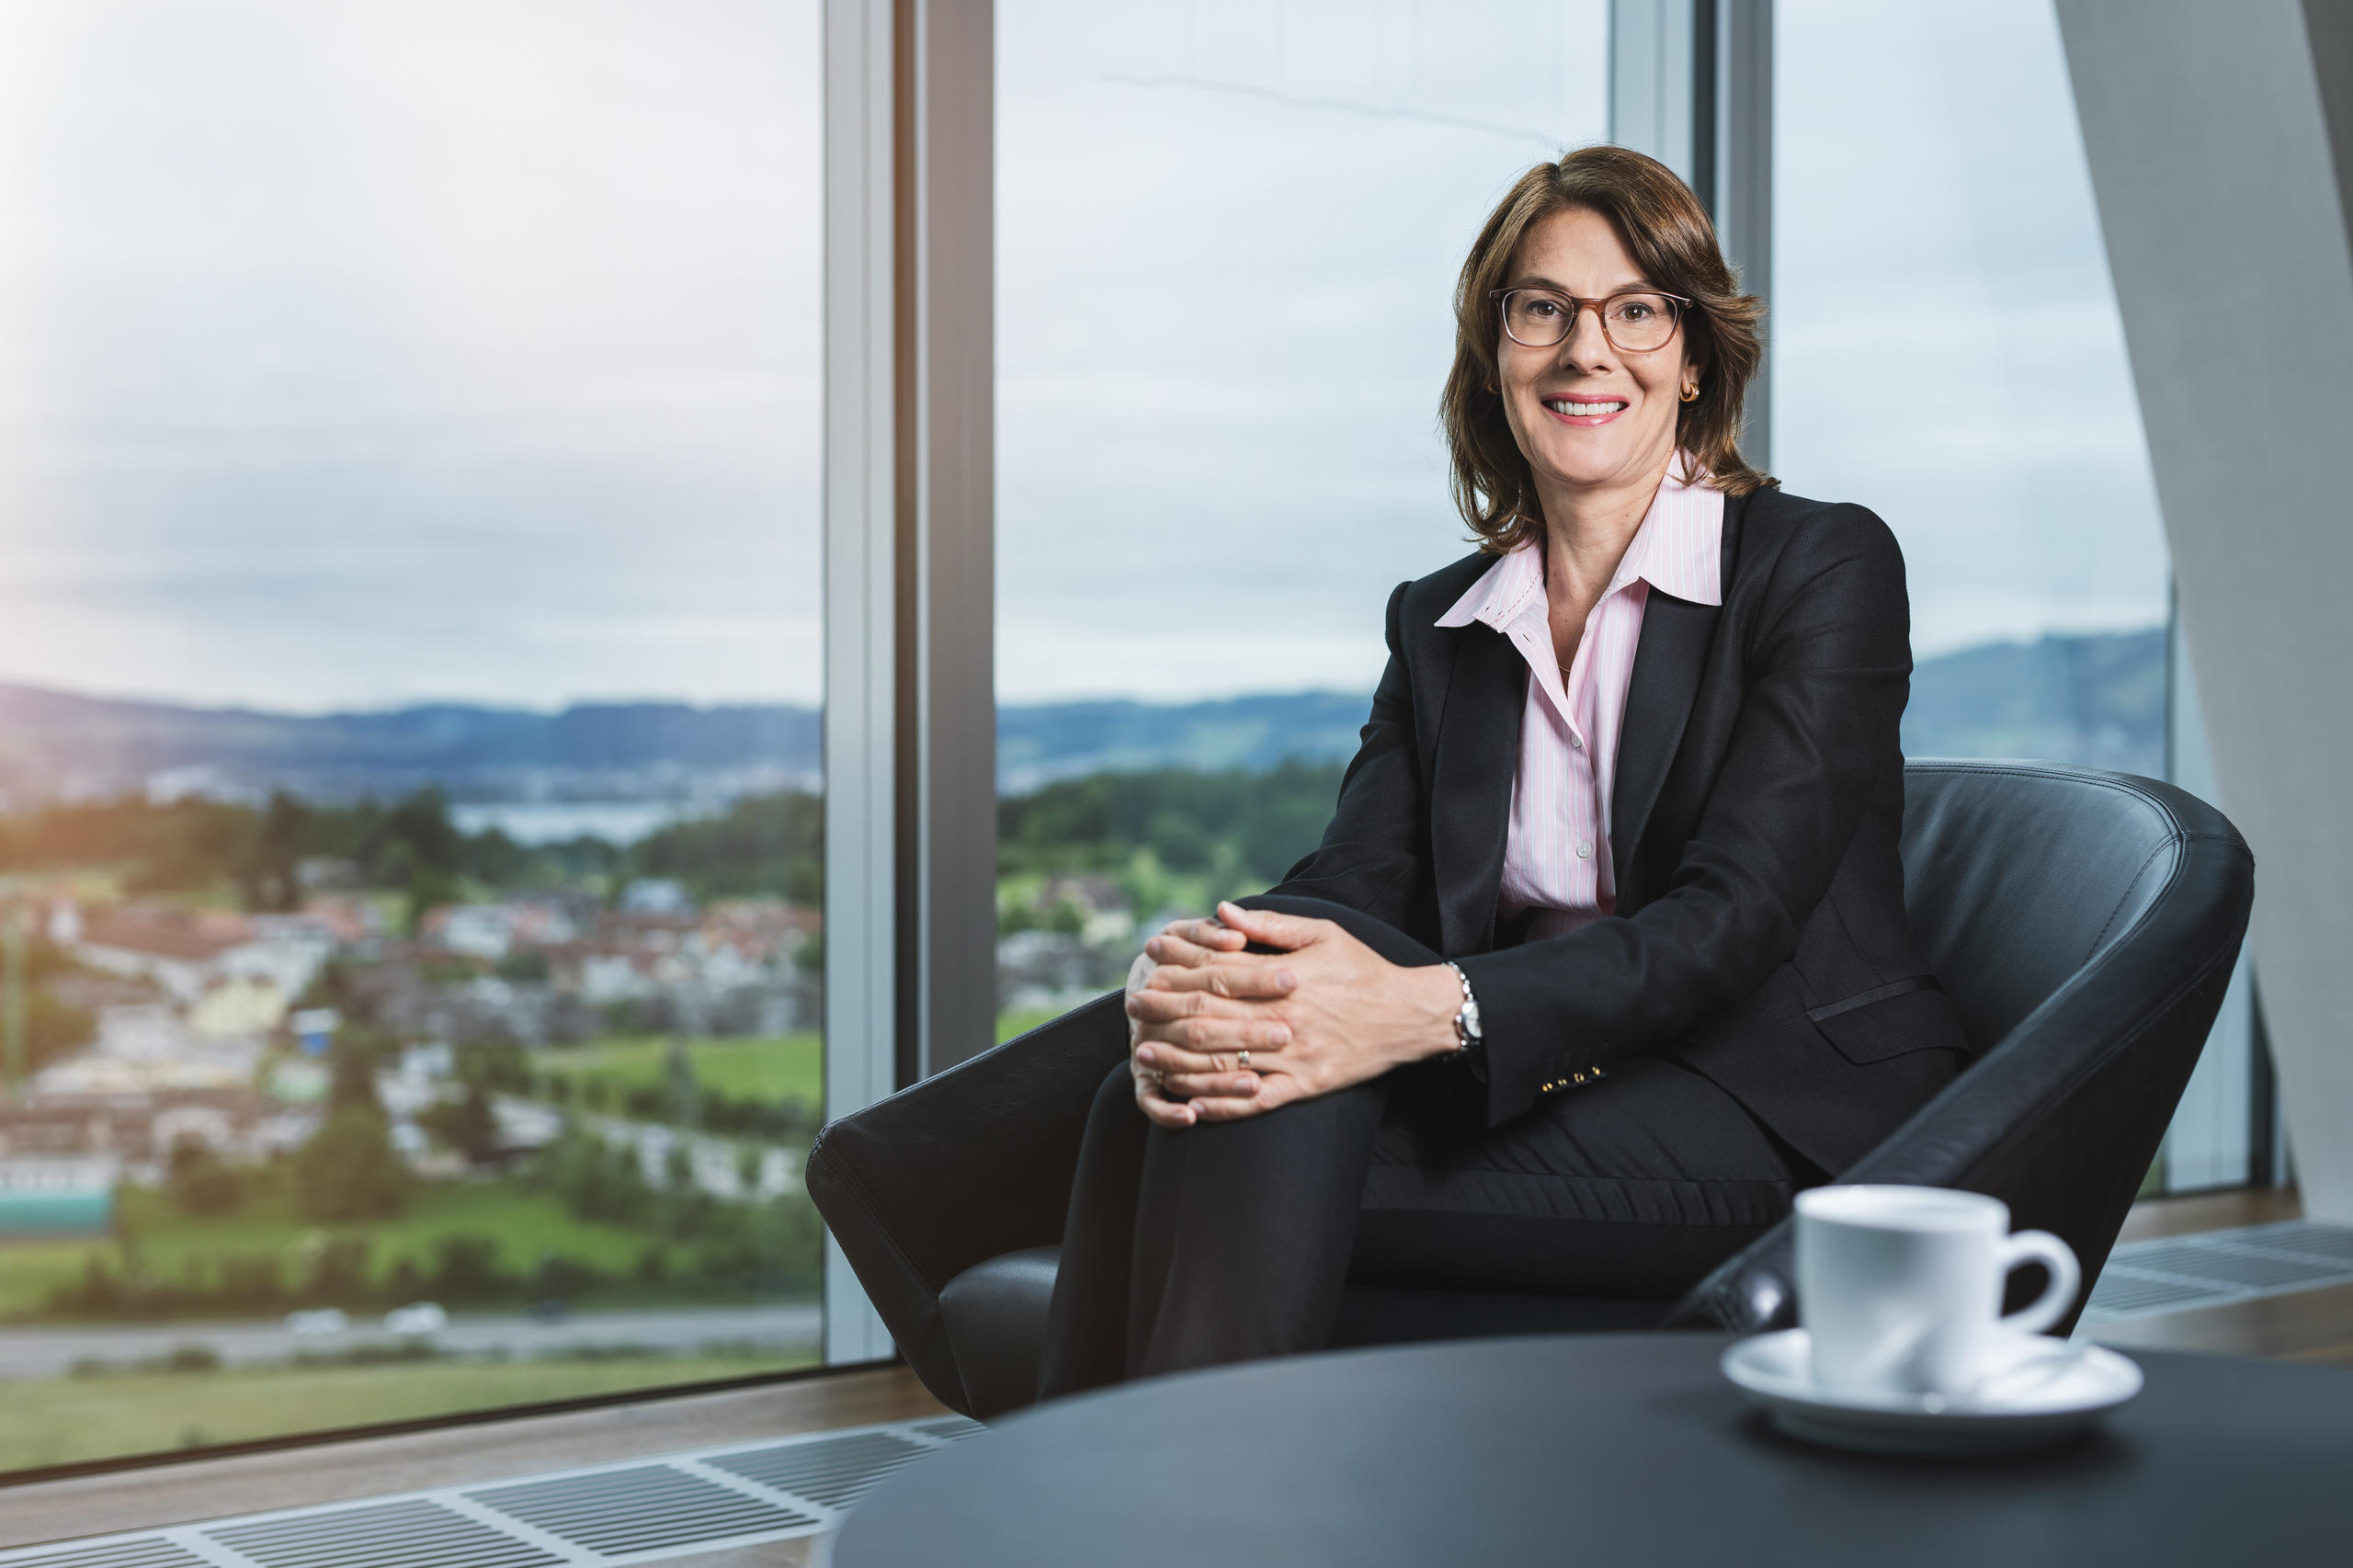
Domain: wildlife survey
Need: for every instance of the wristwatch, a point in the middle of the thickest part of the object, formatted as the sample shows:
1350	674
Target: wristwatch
1469	1042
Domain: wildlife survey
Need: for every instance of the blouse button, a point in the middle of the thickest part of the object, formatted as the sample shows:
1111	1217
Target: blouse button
1584	851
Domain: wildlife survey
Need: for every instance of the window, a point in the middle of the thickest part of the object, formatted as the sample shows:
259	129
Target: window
1227	237
410	624
1945	349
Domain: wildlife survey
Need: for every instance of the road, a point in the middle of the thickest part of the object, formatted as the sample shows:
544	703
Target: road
793	1328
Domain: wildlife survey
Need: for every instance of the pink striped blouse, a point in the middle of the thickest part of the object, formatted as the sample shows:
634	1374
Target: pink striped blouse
1556	858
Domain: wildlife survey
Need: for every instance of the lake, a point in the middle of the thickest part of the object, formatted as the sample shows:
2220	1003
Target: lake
553	822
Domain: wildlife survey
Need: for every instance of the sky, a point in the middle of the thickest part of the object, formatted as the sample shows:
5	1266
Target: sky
364	352
390	350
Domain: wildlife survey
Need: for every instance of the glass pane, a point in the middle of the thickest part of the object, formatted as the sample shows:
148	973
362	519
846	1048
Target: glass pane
410	622
1946	350
1227	237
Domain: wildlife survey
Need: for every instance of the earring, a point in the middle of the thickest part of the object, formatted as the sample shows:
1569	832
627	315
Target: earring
1691	393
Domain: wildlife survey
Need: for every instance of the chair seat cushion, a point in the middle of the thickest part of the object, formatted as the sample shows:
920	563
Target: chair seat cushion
995	1316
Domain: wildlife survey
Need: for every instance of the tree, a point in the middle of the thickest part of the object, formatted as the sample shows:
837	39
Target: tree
268	880
351	1074
1242	827
466	1124
198	1182
494	1064
765	844
465	1268
54	1027
678	1077
253	1282
594	1180
414	846
349	1170
421	821
337	1275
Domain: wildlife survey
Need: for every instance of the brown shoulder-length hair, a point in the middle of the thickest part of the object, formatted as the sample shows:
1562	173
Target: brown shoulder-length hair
1668	233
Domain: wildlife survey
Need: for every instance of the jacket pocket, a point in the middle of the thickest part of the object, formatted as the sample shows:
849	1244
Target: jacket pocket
1894	1019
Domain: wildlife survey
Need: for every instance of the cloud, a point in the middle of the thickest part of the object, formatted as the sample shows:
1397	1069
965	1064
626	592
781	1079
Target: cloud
408	349
369	352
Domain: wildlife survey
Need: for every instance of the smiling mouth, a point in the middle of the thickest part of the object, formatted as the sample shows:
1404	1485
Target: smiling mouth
1577	410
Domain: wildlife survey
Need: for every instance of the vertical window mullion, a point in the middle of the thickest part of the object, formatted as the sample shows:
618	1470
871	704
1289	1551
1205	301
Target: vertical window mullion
861	583
910	716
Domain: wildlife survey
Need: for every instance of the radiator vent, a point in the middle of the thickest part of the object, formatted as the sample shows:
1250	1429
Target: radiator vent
642	1511
648	1508
384	1535
836	1472
2216	1268
147	1552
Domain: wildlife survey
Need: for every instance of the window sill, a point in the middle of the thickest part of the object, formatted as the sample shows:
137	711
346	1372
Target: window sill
308	1475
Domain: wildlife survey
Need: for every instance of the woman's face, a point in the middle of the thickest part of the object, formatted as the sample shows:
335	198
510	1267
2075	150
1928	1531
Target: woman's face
1586	415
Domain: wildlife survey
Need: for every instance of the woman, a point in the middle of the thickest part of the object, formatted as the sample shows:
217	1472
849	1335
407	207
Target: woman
1603	955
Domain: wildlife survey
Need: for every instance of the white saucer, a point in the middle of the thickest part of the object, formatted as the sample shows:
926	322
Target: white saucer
2036	1389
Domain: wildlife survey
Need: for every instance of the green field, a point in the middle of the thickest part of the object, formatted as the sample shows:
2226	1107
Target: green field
779	1067
525	1225
47	1420
31	1269
1011	1024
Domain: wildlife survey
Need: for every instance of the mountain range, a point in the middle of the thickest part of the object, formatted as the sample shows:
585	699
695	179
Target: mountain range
2095	699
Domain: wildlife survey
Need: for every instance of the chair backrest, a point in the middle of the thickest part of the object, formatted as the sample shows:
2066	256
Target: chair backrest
2085	924
2016	875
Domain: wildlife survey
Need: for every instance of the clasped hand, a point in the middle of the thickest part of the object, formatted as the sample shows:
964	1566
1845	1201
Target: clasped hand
1217	1034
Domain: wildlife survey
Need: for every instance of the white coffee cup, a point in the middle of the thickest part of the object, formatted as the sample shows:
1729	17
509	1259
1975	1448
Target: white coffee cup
1900	1287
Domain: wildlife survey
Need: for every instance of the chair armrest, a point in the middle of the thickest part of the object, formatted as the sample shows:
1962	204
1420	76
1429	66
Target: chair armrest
2062	1118
970	1163
1753	1292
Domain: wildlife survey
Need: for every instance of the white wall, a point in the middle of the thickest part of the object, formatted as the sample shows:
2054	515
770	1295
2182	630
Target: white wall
2209	132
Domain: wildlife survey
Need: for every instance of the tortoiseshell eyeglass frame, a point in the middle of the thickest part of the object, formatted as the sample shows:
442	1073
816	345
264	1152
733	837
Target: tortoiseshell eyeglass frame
1502	297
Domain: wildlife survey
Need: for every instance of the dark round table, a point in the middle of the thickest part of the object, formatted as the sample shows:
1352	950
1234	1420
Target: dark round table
1610	1449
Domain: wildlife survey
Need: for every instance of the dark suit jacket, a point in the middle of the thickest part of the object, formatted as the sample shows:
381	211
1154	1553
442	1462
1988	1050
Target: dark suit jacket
1759	936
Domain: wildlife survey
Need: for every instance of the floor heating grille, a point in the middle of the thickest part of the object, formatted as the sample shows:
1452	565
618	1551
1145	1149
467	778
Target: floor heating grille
2216	1268
639	1511
746	1494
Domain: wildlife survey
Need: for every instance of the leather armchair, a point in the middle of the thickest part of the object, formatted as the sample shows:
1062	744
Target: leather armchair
2084	924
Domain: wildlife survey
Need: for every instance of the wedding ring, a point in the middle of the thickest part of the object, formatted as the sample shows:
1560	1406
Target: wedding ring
1159	1079
1245	1059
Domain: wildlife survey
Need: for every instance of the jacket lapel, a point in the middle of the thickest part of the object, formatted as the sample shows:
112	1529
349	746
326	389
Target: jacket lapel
1669	663
1478	753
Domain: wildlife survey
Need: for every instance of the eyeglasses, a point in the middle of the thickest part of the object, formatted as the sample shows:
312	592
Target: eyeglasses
1635	322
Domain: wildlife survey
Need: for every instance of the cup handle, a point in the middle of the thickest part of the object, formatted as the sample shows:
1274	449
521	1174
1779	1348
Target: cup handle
2042	1247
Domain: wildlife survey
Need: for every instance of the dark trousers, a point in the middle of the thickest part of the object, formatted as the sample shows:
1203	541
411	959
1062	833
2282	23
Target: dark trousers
1228	1241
